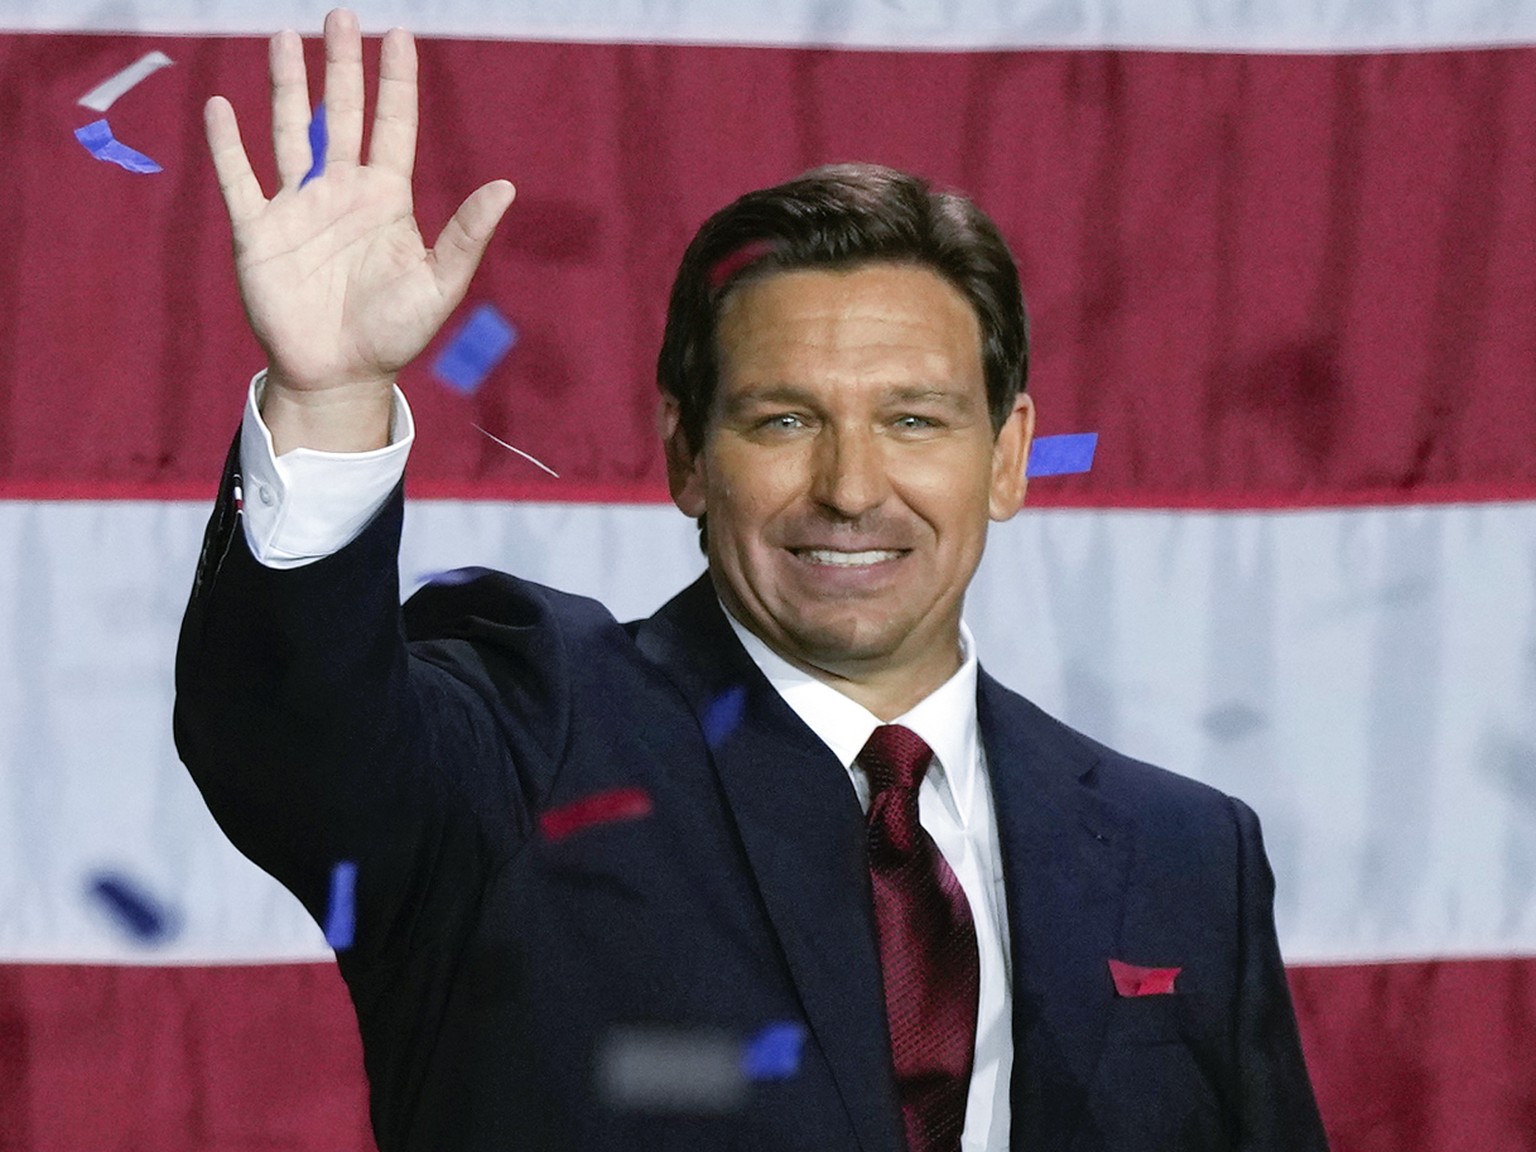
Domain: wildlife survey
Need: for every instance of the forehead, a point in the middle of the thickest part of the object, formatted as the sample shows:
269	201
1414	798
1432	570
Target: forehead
894	323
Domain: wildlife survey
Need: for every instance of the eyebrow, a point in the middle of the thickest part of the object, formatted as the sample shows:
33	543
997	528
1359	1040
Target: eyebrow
770	394
918	394
793	394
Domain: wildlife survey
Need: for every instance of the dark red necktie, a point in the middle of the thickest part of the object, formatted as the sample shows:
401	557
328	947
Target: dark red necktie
928	956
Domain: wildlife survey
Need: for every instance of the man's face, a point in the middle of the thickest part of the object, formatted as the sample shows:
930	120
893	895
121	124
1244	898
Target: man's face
849	470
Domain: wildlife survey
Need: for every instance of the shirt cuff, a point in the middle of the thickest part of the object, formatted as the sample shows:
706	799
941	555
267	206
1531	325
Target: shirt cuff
304	505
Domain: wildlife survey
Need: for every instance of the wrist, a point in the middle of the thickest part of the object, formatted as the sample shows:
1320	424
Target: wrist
349	417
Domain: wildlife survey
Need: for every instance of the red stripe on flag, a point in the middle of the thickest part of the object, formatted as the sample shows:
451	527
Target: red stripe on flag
1422	1057
1261	279
1413	1057
179	1059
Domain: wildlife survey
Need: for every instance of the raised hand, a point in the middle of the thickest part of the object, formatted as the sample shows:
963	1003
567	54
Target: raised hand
340	290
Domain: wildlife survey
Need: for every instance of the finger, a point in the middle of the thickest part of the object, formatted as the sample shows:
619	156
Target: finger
393	146
343	86
290	108
237	183
463	241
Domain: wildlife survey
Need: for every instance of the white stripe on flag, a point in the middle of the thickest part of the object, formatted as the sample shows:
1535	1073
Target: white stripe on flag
1366	679
1202	25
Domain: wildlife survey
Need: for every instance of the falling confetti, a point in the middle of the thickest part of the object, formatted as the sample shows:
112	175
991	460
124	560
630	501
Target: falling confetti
475	349
671	1070
105	94
774	1053
519	451
607	807
724	714
319	141
99	142
1062	455
340	914
132	908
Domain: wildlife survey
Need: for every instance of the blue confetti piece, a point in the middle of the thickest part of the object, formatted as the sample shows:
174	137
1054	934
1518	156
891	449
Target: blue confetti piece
724	714
132	908
475	350
340	915
1062	455
99	142
319	140
774	1053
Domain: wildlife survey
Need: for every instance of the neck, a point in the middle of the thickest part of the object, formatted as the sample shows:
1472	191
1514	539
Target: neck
887	690
888	684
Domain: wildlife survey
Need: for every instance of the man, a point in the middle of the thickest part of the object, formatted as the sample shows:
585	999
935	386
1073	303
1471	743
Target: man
788	801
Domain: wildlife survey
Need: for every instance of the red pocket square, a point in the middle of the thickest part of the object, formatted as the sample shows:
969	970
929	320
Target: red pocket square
1134	980
599	808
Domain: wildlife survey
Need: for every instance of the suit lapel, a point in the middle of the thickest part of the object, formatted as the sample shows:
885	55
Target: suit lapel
804	836
1065	860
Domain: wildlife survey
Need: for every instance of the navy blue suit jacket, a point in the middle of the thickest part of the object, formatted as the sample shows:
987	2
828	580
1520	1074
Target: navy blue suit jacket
493	958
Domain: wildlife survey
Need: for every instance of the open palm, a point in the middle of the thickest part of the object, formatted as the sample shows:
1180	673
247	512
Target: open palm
339	287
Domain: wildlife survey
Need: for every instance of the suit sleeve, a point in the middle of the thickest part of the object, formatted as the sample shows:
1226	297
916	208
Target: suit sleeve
316	737
1278	1112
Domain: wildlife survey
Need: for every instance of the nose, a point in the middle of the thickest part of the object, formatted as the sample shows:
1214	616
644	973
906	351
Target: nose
849	471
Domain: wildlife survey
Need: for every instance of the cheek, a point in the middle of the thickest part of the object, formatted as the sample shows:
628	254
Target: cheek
734	517
954	500
749	492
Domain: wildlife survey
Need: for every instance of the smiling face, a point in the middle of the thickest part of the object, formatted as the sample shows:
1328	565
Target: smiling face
849	470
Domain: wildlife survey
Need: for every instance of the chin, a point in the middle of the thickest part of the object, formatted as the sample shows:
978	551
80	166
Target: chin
836	644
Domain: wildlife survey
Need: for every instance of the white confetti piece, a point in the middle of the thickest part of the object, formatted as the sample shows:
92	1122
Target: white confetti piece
519	451
102	97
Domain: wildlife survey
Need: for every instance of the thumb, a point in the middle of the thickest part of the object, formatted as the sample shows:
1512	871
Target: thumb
463	239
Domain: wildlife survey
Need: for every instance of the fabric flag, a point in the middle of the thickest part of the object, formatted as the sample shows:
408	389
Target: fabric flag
1280	258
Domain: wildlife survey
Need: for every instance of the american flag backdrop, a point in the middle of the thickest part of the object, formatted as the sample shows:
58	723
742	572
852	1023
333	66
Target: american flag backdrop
1280	257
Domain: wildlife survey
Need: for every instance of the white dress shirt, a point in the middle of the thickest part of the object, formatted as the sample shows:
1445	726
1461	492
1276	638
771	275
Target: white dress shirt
954	806
305	504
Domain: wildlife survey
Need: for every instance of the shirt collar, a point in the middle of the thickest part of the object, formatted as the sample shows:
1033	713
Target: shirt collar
945	718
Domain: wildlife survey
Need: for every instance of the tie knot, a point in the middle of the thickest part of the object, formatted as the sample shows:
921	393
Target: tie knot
894	757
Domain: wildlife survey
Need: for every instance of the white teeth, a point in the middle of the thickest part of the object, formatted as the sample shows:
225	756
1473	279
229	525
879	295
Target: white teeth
848	559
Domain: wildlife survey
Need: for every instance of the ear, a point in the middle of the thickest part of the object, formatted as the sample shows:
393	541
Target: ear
685	469
1010	459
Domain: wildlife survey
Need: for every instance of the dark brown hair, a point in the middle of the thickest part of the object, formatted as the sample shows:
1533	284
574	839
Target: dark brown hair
840	216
